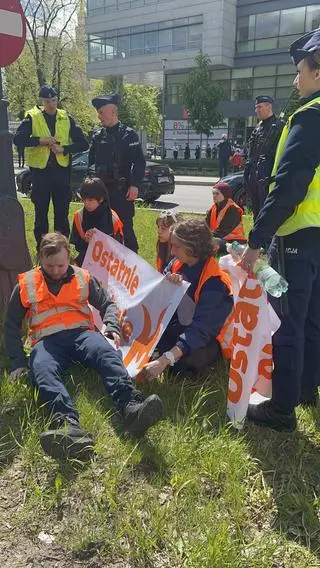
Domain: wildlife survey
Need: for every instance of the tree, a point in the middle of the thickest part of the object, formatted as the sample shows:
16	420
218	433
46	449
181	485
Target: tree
201	96
292	104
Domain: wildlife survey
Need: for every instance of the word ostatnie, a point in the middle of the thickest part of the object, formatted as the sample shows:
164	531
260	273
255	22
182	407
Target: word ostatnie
116	267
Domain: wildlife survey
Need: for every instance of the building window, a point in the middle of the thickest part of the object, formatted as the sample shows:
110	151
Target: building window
275	30
162	37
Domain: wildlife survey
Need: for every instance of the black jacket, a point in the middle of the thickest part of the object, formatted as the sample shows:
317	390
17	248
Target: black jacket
23	136
296	169
225	150
98	298
262	149
117	155
100	219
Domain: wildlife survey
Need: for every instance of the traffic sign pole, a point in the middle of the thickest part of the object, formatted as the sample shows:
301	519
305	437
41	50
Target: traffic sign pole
14	253
7	182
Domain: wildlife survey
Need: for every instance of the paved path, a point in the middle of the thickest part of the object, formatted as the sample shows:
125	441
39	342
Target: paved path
188	198
195	180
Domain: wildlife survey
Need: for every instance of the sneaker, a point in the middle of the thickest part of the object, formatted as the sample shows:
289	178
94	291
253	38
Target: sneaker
266	415
309	396
140	415
67	440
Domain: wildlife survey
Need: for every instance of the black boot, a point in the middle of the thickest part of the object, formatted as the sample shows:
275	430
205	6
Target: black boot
267	415
309	396
66	439
140	414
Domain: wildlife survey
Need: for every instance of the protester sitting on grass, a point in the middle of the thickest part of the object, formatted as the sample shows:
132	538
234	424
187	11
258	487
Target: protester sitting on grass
164	221
96	213
55	299
192	338
225	217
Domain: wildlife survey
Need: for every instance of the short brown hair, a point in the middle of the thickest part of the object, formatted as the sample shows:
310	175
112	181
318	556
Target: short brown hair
53	243
313	60
196	236
95	188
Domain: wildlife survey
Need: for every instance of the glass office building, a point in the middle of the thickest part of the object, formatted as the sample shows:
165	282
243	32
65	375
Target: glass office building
247	41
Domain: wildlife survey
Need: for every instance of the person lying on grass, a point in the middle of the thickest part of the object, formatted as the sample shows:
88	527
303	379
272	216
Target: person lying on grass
55	298
192	338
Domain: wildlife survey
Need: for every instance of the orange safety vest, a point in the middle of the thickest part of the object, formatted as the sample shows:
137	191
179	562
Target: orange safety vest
238	232
116	221
212	269
159	264
47	313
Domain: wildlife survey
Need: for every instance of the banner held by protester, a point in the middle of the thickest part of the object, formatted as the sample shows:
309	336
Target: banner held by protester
145	299
254	322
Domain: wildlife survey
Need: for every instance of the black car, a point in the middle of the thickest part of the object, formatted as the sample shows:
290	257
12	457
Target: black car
235	180
158	179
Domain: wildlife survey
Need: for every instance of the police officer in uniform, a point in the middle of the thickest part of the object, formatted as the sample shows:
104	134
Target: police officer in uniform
292	212
262	147
117	154
49	136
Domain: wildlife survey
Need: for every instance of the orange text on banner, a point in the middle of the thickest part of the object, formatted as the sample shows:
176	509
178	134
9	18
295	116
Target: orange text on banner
116	267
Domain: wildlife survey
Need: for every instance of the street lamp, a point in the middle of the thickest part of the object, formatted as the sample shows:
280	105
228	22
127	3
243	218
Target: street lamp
164	61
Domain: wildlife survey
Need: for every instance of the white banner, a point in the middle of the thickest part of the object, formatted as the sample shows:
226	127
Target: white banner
254	323
145	299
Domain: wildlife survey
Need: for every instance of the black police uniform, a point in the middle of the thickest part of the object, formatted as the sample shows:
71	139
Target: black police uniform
296	345
118	158
261	152
53	181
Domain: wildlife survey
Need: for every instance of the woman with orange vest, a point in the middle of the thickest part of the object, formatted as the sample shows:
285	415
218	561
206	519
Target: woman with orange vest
96	213
164	221
225	217
192	339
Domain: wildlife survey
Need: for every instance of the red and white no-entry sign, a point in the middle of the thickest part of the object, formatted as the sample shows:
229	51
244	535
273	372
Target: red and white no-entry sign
12	31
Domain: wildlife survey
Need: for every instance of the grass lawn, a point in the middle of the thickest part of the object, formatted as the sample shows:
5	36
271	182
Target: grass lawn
193	494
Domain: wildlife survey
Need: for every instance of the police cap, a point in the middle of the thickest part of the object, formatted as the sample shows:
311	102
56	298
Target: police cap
264	99
305	45
47	92
103	100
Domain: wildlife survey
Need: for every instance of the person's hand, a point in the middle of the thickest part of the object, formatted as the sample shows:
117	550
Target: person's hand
88	235
49	141
174	278
57	149
249	258
115	338
153	369
132	193
17	374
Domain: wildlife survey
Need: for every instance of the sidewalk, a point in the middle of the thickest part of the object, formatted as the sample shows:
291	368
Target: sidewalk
195	180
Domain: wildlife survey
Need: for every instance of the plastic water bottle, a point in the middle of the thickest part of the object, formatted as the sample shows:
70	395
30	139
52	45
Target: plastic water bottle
271	281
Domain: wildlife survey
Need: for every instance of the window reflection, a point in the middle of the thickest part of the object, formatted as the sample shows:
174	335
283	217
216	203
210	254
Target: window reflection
159	37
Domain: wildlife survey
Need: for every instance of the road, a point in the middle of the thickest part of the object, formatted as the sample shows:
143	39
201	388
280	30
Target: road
188	198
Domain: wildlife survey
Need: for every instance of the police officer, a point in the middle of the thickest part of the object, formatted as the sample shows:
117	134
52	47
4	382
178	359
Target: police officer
262	147
117	154
50	136
292	213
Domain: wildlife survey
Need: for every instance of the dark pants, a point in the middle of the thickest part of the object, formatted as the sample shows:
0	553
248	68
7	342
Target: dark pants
257	193
194	361
51	356
223	167
125	210
296	345
51	183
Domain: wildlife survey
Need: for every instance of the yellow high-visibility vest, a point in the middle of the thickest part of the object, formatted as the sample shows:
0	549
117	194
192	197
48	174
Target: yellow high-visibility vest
38	156
307	213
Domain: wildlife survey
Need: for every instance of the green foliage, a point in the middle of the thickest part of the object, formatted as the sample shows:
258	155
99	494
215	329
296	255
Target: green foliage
292	105
201	96
193	494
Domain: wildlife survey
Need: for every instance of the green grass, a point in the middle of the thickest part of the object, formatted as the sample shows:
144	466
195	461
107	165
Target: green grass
193	494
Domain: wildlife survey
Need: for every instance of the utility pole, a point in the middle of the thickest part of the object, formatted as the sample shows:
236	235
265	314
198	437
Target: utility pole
163	153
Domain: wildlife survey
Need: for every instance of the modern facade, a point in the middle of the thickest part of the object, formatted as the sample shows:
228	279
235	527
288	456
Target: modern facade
247	41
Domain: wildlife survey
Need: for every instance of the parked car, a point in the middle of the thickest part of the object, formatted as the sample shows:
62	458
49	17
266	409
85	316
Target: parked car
235	180
158	179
